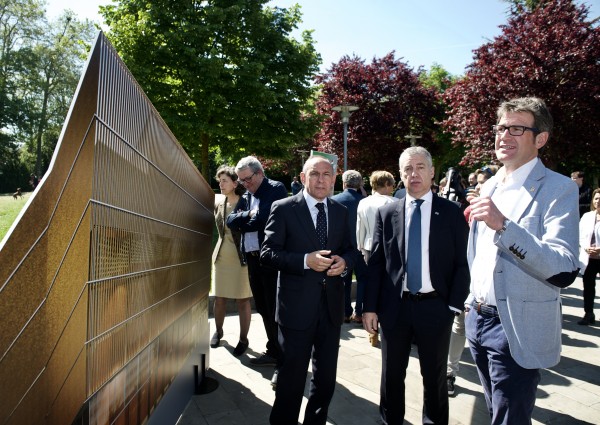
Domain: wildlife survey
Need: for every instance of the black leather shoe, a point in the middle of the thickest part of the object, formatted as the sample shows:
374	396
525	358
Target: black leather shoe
240	348
588	319
264	360
215	340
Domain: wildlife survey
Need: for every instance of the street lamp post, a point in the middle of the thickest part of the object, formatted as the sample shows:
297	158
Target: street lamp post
345	111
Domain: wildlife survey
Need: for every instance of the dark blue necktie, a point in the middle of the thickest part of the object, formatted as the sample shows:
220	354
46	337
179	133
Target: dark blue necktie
321	225
413	255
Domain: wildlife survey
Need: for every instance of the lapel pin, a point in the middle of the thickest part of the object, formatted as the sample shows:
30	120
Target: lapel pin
532	189
436	213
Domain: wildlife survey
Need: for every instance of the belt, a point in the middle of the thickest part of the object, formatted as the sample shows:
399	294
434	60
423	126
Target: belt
253	253
419	296
485	309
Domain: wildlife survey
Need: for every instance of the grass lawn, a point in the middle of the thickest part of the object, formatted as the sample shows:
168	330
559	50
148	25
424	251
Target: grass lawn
9	209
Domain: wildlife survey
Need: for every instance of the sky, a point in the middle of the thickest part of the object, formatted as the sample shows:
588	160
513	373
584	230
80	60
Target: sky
421	32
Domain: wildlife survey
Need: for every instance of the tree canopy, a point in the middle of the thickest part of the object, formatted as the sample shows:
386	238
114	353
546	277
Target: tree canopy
552	52
224	73
392	102
40	63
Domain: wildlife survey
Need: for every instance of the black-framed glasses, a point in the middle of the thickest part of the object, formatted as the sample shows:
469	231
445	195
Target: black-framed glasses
513	130
247	179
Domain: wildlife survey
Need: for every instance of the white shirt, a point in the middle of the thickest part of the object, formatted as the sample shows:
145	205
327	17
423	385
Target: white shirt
409	207
251	238
365	219
504	197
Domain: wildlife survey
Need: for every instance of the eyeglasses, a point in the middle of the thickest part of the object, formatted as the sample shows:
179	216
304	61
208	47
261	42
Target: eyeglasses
513	130
247	179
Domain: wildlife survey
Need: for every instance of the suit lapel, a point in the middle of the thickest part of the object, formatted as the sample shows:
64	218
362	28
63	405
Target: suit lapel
305	219
398	226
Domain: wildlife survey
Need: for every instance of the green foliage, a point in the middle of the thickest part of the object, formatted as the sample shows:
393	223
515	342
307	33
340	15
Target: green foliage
223	73
40	63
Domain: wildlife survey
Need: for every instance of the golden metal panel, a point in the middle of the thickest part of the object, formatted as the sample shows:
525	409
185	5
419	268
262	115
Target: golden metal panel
106	272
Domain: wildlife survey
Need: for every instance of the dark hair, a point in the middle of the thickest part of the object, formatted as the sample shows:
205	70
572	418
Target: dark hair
542	120
230	172
592	202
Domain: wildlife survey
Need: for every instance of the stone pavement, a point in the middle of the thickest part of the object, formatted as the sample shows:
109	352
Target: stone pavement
569	393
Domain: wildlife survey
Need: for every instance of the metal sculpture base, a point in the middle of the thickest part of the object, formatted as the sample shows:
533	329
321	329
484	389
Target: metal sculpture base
202	383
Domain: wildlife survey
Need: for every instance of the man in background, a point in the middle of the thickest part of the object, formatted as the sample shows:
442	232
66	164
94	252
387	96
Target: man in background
251	220
350	197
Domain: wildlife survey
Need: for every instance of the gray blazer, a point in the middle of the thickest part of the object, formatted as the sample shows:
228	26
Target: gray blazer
537	255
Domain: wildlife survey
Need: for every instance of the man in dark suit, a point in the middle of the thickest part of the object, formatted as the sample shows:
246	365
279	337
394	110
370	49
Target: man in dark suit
418	281
250	219
307	240
350	197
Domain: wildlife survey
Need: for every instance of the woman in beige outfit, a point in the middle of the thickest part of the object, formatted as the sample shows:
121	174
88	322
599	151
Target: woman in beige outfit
230	273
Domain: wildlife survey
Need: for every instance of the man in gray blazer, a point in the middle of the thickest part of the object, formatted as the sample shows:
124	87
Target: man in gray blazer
525	225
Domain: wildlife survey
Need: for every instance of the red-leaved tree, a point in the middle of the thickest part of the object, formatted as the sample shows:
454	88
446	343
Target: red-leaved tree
392	103
552	52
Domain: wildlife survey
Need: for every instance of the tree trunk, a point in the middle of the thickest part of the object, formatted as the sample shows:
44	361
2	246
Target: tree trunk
40	131
204	156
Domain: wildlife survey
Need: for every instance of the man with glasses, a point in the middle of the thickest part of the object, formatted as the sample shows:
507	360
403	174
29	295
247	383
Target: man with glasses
525	226
250	218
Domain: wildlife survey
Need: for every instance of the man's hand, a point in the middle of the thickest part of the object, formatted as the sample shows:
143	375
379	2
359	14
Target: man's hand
484	209
319	261
370	322
338	266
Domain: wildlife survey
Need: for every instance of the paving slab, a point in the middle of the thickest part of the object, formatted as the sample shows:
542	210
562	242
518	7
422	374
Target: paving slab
569	393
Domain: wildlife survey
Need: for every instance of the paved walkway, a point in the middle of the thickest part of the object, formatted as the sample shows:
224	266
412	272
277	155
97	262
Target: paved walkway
568	394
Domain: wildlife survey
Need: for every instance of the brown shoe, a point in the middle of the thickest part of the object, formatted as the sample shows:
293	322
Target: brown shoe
356	319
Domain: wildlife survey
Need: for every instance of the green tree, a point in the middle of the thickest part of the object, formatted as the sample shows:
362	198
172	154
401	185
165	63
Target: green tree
222	73
50	68
445	154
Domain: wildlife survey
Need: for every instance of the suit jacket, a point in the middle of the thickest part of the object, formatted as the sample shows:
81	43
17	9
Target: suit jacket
350	199
449	270
268	192
289	235
220	217
537	255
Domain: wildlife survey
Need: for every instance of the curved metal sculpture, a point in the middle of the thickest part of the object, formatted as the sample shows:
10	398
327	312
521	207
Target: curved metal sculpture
105	275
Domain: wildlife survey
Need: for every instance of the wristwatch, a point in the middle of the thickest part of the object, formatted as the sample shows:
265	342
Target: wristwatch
504	225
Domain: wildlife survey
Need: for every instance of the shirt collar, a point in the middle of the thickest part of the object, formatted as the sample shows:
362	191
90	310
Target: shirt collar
516	178
312	202
428	197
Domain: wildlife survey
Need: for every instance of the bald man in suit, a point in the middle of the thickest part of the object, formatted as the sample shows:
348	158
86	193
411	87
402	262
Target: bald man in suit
307	240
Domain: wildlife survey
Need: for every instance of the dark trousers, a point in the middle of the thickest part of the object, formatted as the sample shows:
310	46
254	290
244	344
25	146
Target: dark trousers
263	282
509	389
360	270
429	322
322	341
589	285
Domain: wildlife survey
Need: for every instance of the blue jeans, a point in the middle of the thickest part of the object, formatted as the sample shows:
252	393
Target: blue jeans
509	389
360	269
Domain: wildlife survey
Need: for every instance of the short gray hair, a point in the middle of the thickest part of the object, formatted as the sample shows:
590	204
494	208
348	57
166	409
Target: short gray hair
413	151
251	162
352	179
542	120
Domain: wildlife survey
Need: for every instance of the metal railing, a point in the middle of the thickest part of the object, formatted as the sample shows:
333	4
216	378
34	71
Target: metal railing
104	277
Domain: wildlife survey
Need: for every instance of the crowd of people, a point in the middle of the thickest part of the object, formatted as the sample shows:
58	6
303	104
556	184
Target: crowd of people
481	260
